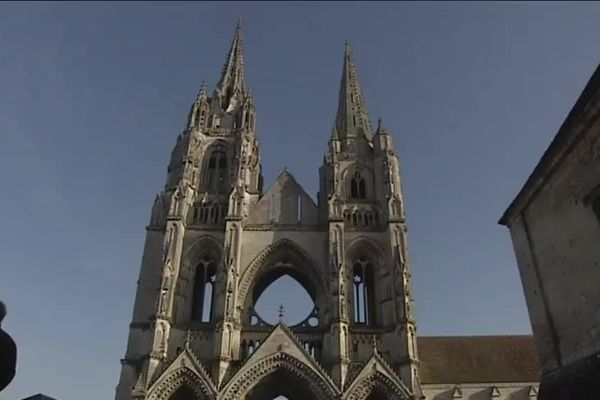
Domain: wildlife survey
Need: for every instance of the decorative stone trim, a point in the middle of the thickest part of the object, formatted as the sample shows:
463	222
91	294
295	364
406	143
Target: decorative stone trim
298	344
273	227
181	377
246	380
205	227
363	242
250	273
200	245
373	381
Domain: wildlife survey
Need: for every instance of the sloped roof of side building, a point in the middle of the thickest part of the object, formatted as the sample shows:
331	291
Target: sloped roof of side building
478	359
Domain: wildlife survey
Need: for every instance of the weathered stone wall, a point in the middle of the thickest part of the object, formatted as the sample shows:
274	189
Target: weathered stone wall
285	203
557	243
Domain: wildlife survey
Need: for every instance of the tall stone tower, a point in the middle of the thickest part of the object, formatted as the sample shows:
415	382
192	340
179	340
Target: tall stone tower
215	242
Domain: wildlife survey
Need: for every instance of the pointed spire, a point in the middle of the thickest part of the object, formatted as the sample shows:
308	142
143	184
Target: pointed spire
187	339
374	340
533	392
352	118
232	78
203	92
494	392
334	133
281	314
457	393
380	128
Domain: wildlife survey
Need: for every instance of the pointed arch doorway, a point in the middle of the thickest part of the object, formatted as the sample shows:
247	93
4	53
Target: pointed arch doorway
282	384
184	393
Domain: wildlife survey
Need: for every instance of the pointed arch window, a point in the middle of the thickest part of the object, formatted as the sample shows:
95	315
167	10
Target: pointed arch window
362	283
358	187
216	171
204	287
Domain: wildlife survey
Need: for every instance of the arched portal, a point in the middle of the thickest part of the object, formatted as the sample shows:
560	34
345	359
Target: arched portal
181	384
378	386
281	384
184	393
280	375
379	393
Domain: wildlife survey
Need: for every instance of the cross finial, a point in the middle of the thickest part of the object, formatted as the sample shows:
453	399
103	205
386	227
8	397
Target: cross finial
374	344
281	313
188	337
202	90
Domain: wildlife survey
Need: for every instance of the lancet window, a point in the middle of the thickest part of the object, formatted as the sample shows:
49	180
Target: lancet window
358	187
204	287
216	171
362	281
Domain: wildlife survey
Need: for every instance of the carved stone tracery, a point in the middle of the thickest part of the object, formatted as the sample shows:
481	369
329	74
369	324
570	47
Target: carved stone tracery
380	382
184	376
245	380
294	255
214	185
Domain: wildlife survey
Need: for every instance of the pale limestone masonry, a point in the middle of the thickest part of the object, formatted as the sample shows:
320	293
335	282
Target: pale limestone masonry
215	241
554	223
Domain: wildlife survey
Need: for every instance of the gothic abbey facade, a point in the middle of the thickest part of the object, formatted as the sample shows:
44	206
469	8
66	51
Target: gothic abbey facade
216	240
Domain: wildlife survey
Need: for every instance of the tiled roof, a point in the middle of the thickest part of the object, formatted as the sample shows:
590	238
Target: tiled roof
478	359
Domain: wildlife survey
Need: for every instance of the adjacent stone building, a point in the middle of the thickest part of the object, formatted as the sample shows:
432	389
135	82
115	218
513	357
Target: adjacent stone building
216	240
554	223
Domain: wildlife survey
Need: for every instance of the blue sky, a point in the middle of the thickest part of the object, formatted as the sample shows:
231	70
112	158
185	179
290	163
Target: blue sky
93	95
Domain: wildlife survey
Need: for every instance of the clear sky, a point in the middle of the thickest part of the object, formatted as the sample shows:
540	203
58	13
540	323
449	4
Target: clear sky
93	96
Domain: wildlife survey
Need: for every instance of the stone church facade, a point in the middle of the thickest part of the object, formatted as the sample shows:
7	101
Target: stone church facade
216	241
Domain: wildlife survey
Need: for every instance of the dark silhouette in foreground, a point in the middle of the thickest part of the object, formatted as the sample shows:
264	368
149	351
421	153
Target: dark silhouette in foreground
8	353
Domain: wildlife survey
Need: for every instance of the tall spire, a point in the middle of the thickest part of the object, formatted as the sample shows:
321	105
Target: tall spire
202	92
352	120
232	78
